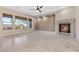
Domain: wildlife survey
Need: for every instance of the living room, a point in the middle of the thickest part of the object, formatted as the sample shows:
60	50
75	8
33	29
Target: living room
39	29
31	28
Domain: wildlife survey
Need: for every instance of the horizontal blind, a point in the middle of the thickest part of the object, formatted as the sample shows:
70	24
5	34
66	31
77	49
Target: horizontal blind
7	15
22	18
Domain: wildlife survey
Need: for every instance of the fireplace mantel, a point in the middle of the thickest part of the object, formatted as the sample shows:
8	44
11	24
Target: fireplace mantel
72	27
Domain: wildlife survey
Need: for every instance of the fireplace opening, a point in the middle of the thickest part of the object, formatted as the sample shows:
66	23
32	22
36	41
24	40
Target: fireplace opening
64	28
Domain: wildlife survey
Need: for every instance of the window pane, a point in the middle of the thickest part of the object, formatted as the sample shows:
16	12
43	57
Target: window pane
20	23
7	23
30	23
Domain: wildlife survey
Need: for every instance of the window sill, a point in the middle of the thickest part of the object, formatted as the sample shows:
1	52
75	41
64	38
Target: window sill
14	31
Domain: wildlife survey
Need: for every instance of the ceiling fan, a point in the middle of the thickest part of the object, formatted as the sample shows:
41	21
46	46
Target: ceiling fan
38	8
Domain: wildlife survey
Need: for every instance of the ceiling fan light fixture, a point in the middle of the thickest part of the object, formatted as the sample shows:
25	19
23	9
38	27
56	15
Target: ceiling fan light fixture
37	11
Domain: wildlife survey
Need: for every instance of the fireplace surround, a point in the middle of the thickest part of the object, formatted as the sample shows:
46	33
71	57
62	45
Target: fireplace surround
66	27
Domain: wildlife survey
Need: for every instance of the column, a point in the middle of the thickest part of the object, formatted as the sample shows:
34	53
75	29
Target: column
13	22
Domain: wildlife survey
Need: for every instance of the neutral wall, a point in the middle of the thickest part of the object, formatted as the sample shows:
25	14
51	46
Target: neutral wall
77	23
66	13
46	24
34	23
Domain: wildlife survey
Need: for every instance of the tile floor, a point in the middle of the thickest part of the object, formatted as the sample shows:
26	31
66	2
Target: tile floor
38	41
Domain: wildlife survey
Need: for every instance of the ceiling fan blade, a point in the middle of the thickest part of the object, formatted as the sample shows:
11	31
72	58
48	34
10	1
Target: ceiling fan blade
33	9
39	11
41	6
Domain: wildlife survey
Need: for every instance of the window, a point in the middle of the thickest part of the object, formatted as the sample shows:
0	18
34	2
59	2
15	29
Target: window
7	22
20	22
30	23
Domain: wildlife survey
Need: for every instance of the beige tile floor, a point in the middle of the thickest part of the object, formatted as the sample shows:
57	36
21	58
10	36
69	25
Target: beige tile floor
38	41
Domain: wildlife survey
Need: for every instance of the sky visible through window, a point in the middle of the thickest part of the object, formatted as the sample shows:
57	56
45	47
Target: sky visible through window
7	21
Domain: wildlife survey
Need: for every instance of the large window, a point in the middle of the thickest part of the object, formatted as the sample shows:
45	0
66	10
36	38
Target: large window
7	22
20	22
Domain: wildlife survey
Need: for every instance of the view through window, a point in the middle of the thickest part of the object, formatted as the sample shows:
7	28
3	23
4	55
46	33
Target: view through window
20	22
7	22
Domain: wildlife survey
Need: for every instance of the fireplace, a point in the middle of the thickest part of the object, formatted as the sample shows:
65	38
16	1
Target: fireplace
65	27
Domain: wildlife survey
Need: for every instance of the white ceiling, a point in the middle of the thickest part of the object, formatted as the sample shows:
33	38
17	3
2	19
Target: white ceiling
26	9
